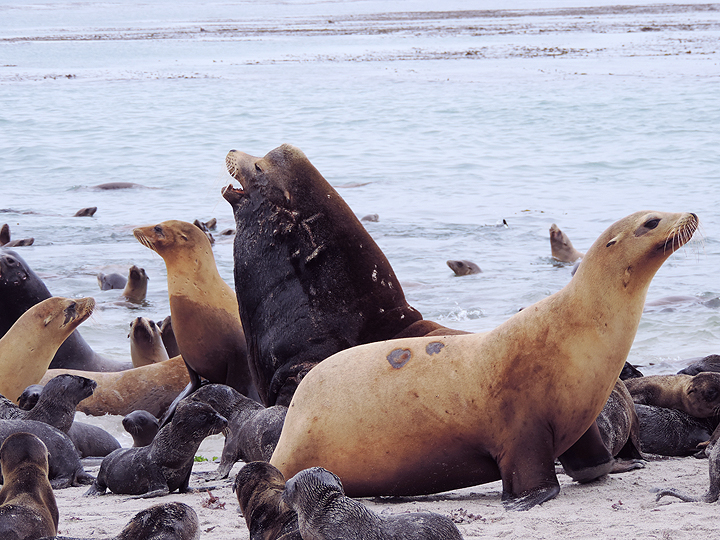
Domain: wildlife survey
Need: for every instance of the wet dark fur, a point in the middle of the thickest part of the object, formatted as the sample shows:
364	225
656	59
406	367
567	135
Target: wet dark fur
669	432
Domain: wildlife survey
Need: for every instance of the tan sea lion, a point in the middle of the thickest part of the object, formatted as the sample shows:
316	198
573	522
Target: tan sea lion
698	395
27	503
146	344
203	307
29	346
464	268
561	246
430	414
136	288
152	388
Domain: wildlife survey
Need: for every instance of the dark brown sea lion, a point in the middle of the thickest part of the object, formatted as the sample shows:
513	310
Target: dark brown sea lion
310	280
136	287
168	337
20	289
259	488
620	429
86	212
464	268
670	432
707	363
698	395
165	464
27	504
118	185
561	246
20	243
204	228
4	234
142	426
431	414
325	513
8	243
146	344
253	429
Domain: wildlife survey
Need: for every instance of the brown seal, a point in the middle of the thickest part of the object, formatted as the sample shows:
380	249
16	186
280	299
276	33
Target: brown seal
27	503
41	329
152	388
430	414
669	432
146	344
325	513
8	243
710	362
203	307
464	268
698	395
165	464
4	234
86	212
620	429
561	246
136	287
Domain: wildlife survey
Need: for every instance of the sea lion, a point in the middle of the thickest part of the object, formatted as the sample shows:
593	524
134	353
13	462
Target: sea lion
136	288
259	488
86	212
561	246
20	289
670	432
152	388
464	268
310	280
325	513
30	396
65	469
629	372
146	344
111	281
118	185
27	504
707	363
165	464
203	307
200	225
29	345
374	218
227	232
4	234
425	415
697	395
168	337
20	243
8	243
92	441
620	429
142	426
253	429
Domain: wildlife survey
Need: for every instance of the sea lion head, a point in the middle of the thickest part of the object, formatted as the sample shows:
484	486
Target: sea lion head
198	420
65	313
703	393
13	270
170	239
137	274
308	488
22	448
75	385
144	330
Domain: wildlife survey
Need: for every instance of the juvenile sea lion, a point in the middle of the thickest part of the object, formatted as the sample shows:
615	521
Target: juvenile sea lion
670	432
561	246
111	281
253	429
136	287
165	464
200	225
425	415
92	441
203	307
707	363
20	289
697	395
86	212
30	396
464	268
4	234
118	185
28	508
168	337
325	513
29	345
142	426
146	344
620	429
259	488
310	280
20	243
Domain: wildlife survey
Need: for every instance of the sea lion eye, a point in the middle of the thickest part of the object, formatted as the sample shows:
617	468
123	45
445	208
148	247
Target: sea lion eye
651	224
158	229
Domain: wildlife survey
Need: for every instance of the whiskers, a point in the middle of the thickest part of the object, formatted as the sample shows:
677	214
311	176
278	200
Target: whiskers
683	233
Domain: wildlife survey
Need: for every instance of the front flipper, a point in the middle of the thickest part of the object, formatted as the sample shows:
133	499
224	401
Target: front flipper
588	459
193	385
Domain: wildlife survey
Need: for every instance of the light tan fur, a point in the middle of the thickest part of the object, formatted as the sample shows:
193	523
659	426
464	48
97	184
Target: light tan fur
698	395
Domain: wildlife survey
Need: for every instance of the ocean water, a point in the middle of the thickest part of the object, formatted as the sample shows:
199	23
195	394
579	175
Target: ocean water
447	124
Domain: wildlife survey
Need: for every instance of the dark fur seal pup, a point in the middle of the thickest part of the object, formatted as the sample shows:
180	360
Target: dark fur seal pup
310	280
325	513
259	488
708	363
136	287
629	372
65	467
143	427
697	395
670	432
464	268
561	246
620	430
30	396
27	504
86	212
168	337
111	281
20	289
165	464
253	430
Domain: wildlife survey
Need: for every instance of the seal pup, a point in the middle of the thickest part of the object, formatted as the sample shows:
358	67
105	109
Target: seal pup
203	307
40	331
30	396
431	414
166	463
697	395
259	488
464	268
136	287
253	430
142	426
561	246
707	363
325	513
310	280
8	243
28	508
86	212
620	429
146	344
20	289
111	281
669	432
168	337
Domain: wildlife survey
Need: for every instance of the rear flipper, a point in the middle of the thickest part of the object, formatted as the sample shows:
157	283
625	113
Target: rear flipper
588	459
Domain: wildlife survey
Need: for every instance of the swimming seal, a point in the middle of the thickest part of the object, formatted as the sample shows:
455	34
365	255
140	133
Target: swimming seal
561	246
146	344
203	307
464	268
697	395
166	463
86	212
8	243
20	289
425	415
325	513
111	281
136	288
27	504
253	429
259	488
4	234
707	363
142	426
669	432
310	280
41	329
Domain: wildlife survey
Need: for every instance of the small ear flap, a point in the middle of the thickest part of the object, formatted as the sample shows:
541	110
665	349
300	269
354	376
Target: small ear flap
48	319
613	241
